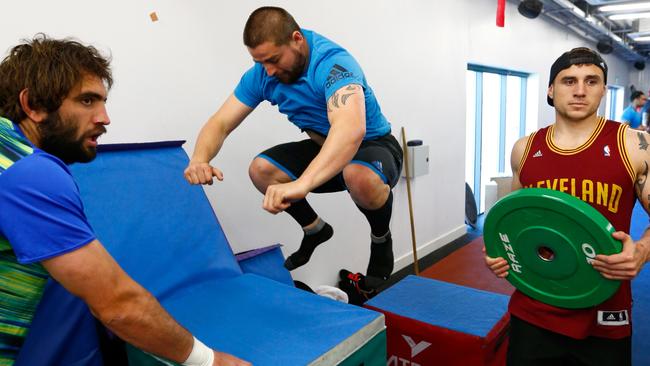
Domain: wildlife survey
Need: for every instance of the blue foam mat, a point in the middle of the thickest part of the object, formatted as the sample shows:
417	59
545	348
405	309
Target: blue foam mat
164	233
267	262
264	321
141	208
443	304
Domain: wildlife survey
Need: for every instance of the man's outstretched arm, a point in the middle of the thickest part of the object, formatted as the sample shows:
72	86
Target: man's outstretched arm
211	139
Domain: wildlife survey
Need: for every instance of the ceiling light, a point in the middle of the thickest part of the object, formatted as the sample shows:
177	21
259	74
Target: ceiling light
625	7
635	35
578	11
629	16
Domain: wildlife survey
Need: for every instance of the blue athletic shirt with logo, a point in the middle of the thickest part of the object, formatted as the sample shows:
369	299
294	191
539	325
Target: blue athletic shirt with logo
304	102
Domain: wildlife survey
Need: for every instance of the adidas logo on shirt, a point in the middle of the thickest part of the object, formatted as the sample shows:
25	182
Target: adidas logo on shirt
377	164
538	154
337	72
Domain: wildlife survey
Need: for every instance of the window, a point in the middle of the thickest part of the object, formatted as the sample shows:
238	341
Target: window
614	103
498	113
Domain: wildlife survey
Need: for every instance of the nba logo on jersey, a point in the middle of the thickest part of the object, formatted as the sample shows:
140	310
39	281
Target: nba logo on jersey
606	150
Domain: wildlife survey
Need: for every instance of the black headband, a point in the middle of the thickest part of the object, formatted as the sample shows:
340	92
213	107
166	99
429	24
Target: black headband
575	57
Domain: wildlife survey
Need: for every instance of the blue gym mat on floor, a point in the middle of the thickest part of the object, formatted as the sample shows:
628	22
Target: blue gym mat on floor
462	309
164	233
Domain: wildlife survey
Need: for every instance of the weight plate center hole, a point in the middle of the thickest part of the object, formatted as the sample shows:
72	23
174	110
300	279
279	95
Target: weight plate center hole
545	253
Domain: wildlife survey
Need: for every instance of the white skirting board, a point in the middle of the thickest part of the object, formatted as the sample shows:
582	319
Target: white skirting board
429	247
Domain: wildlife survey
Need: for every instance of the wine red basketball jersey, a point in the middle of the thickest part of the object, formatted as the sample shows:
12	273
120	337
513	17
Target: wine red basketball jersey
598	172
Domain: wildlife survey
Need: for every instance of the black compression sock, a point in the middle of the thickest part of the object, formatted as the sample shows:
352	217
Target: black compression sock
309	243
381	261
379	219
302	212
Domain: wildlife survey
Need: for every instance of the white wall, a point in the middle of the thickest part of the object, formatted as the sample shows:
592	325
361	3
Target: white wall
640	80
172	74
529	45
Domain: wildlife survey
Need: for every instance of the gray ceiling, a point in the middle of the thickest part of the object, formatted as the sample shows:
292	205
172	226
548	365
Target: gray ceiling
597	26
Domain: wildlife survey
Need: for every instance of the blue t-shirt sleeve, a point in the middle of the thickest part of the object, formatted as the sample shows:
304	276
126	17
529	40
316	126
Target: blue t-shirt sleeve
338	71
249	89
41	213
632	117
626	115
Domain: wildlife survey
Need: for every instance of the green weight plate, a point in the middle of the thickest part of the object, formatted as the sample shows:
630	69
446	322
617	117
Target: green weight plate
548	238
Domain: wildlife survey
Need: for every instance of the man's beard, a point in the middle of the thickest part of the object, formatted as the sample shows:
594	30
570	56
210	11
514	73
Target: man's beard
296	71
59	138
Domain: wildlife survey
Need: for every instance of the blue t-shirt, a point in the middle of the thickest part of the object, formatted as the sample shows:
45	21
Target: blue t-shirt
41	213
631	116
305	101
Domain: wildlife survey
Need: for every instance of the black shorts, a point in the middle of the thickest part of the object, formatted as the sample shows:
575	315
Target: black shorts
383	155
532	346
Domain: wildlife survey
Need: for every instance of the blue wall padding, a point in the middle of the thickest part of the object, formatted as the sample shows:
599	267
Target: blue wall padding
641	318
161	229
267	262
641	296
639	221
443	304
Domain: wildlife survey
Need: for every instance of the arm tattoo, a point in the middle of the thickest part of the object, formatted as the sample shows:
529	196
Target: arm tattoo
345	97
643	144
640	180
334	99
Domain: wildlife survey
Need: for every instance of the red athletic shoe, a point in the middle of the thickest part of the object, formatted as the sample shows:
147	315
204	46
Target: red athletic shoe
354	285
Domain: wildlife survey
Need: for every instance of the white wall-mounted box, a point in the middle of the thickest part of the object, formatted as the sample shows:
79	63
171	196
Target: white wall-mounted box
418	160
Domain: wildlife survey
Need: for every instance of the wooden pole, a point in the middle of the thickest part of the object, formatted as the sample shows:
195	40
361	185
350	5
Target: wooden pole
408	190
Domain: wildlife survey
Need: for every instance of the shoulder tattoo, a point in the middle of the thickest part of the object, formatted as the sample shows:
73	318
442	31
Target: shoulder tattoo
641	179
340	97
643	143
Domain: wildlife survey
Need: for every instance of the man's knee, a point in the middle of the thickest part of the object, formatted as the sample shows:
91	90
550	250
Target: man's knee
366	187
263	173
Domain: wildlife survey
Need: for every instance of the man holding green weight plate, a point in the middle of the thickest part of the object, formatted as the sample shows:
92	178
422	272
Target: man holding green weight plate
605	164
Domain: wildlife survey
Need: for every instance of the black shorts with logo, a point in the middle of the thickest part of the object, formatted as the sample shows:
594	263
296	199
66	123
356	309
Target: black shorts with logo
533	346
383	155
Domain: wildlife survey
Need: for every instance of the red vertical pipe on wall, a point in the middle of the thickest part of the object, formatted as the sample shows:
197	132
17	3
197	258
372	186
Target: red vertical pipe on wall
501	10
